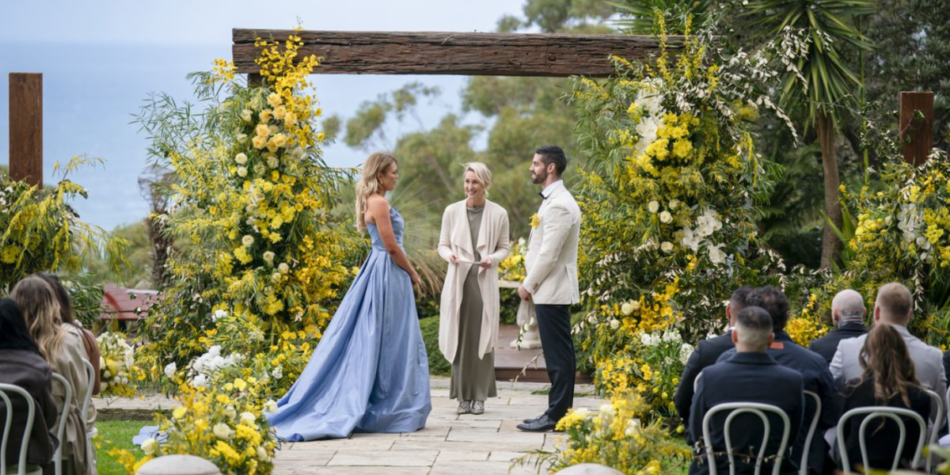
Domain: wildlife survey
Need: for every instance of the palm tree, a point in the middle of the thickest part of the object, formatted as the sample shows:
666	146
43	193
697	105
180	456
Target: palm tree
826	83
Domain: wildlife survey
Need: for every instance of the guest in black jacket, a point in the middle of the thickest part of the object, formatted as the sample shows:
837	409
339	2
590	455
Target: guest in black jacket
21	364
889	379
813	369
749	375
706	354
847	314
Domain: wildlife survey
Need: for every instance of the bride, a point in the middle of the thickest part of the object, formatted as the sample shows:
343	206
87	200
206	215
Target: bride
369	373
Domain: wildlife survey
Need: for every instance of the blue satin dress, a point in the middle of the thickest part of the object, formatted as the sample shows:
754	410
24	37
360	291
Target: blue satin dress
369	373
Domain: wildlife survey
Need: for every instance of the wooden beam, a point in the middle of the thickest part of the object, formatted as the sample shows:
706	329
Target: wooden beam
472	54
916	125
26	127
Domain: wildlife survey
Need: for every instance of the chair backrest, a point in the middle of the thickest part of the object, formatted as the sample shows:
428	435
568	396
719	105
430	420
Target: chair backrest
734	409
937	421
5	391
61	425
874	412
696	381
803	468
87	398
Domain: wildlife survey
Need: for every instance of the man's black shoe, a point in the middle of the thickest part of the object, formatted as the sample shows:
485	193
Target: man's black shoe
542	424
528	421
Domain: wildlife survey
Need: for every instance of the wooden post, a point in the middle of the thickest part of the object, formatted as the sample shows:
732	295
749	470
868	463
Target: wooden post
916	125
26	127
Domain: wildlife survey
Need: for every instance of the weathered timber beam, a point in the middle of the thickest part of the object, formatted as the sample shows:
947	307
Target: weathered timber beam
916	125
26	128
471	54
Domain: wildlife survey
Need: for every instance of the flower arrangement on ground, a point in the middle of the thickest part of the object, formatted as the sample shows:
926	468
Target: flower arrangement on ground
117	370
253	198
669	223
618	436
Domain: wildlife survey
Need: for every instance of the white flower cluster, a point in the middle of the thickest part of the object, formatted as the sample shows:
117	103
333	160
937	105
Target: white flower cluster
706	224
116	360
6	198
204	367
667	338
649	102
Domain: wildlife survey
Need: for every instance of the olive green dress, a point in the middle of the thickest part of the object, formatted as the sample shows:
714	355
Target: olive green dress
473	379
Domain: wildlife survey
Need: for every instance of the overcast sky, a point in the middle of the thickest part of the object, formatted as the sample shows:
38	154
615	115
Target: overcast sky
101	59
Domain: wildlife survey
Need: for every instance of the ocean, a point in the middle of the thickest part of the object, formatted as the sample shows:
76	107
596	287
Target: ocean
91	93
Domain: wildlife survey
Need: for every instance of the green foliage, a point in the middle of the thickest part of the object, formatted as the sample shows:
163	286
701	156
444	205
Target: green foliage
138	252
42	233
438	365
86	298
640	15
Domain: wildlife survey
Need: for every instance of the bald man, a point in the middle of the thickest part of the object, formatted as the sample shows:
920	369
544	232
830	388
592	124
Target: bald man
895	307
847	315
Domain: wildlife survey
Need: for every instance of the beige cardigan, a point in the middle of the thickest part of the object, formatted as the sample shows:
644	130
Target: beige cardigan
493	243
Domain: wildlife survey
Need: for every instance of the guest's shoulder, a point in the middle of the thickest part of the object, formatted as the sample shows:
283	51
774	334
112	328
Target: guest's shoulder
24	360
787	374
493	207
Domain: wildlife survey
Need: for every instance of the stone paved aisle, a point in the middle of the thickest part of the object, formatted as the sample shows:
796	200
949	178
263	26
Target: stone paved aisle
450	444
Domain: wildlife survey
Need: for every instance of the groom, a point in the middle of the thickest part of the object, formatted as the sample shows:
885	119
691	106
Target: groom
551	281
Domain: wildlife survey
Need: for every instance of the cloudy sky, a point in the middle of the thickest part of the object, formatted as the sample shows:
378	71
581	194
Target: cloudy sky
101	59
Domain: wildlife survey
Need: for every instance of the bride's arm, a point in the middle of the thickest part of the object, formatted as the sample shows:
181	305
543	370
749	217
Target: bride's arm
378	208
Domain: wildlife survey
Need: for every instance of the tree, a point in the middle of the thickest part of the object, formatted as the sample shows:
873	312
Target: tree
824	83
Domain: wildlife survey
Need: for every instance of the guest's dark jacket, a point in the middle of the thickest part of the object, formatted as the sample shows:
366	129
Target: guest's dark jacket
827	345
882	443
817	378
746	377
29	371
705	355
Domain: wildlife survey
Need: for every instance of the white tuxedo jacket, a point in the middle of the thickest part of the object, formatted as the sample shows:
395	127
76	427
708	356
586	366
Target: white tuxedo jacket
551	262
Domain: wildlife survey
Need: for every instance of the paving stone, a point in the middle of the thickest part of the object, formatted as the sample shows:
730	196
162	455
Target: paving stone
365	470
311	457
416	458
367	443
480	468
449	455
504	456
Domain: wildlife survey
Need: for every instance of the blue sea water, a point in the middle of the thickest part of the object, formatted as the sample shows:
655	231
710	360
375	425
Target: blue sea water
91	93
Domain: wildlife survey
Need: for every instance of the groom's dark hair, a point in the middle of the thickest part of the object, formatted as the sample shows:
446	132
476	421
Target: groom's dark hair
553	154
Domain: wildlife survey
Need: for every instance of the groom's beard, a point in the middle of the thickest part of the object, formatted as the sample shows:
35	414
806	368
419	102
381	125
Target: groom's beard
539	178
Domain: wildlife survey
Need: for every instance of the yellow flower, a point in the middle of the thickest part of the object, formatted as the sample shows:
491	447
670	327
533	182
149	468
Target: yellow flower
179	412
240	384
535	220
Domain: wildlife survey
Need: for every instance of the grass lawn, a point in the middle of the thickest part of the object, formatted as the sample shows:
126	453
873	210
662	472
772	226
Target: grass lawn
119	435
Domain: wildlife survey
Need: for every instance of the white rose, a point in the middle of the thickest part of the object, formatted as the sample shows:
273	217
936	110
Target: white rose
222	431
666	246
272	161
218	314
627	308
269	257
666	217
607	409
240	158
230	412
582	412
170	369
246	115
674	204
270	406
636	305
150	446
283	268
261	453
614	324
653	206
716	256
277	372
200	381
247	240
248	419
242	172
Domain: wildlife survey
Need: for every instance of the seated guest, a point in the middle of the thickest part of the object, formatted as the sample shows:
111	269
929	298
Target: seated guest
888	380
21	364
706	354
847	315
813	369
748	375
88	339
895	307
64	352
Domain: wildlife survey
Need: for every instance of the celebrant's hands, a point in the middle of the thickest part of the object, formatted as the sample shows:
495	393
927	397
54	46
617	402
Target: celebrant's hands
523	293
454	259
485	264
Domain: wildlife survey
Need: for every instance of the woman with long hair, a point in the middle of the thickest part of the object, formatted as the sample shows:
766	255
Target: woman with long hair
22	364
369	373
889	379
474	240
64	351
72	325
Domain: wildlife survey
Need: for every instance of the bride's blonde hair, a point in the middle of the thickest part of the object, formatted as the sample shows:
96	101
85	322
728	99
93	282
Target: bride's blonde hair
369	183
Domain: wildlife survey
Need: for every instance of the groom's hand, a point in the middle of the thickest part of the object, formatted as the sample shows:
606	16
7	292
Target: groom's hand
523	293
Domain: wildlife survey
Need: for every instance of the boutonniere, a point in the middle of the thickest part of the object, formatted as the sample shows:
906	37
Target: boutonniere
535	220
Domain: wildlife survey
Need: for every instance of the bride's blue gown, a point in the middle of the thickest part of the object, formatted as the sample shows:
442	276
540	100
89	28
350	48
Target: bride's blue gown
369	373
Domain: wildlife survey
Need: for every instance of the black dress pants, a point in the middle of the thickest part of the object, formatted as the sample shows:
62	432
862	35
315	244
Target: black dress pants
554	325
